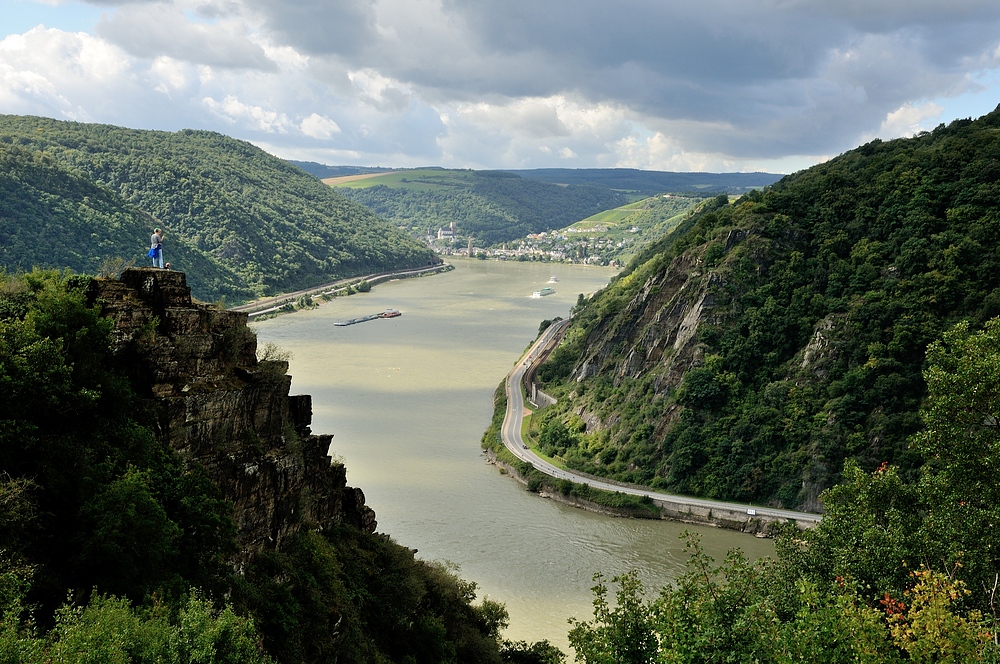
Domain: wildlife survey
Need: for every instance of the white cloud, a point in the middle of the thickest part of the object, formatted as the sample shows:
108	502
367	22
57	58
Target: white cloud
661	152
380	91
51	72
531	118
234	111
910	119
319	127
170	75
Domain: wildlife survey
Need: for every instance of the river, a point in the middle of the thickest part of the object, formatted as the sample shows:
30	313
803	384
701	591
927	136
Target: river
408	399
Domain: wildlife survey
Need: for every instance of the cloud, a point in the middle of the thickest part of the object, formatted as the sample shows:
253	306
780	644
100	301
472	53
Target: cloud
150	30
319	26
319	127
718	84
379	91
234	111
909	119
49	72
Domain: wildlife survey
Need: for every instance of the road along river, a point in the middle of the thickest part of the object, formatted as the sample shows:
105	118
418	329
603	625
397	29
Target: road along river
408	400
697	509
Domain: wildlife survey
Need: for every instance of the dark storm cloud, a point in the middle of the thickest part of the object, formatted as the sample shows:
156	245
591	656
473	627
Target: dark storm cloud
344	27
813	74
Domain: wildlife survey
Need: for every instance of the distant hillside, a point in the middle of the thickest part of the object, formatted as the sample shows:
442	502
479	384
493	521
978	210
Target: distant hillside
323	171
239	221
758	347
51	215
649	183
632	226
491	206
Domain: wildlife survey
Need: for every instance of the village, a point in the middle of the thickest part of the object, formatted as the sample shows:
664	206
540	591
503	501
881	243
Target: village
590	246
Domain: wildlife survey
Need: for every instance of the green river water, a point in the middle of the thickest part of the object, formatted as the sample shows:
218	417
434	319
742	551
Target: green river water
408	399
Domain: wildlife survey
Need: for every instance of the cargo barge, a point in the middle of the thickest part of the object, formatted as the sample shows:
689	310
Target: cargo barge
388	313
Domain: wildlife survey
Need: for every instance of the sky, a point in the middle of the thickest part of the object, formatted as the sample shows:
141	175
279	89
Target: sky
675	85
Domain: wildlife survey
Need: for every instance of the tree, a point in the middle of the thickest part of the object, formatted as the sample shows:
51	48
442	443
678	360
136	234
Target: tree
961	443
624	634
522	652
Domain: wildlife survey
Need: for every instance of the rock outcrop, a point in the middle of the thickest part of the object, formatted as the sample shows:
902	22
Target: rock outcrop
212	401
658	326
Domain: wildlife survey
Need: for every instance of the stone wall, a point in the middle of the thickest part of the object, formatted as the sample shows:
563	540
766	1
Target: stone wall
211	400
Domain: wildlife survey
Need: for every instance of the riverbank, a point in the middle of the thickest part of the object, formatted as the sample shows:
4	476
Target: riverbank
505	432
306	299
583	496
567	493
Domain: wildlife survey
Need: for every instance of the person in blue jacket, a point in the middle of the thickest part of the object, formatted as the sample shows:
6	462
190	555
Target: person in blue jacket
156	248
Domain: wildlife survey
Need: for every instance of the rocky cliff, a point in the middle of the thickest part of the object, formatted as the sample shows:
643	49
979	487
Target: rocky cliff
767	342
211	400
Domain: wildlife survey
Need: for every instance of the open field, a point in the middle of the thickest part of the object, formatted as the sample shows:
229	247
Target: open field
613	216
417	179
344	179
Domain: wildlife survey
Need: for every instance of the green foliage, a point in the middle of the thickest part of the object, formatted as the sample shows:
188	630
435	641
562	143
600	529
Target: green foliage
112	508
110	630
717	613
742	612
649	183
540	652
555	438
962	445
622	635
353	597
895	572
868	533
129	531
833	627
491	206
238	221
93	505
822	293
491	437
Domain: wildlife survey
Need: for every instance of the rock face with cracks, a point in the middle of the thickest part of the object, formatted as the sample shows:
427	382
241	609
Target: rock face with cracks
211	400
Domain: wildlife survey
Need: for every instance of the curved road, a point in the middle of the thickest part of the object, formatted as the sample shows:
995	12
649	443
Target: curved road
510	433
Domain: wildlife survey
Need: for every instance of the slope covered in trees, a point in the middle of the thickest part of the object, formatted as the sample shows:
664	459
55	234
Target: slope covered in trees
55	216
764	344
490	206
895	572
650	183
115	547
242	222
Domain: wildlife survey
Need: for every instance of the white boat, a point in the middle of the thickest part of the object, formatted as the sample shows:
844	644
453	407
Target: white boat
553	279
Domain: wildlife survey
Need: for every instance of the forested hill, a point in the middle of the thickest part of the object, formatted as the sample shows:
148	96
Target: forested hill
650	183
491	206
51	215
239	221
751	352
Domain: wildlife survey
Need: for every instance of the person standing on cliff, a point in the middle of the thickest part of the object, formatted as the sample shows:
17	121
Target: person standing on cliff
156	248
